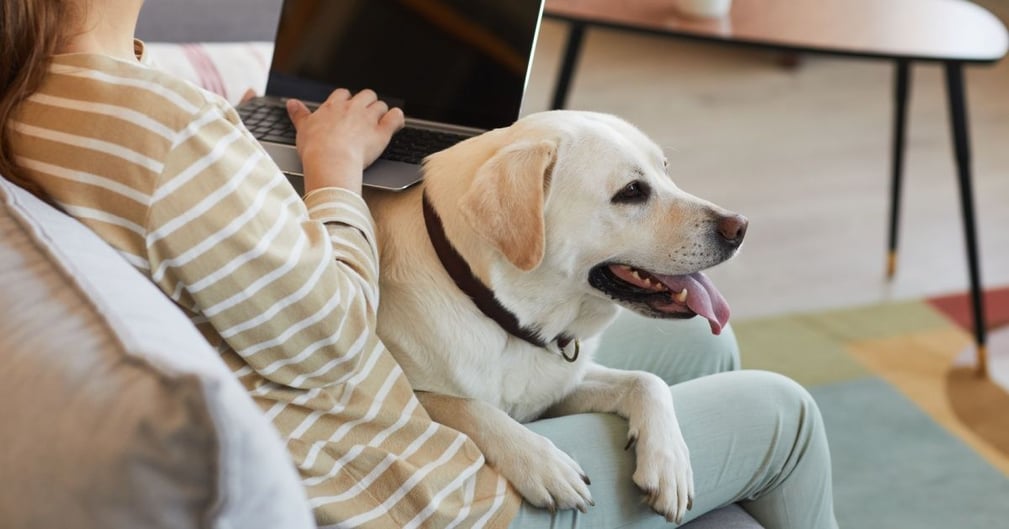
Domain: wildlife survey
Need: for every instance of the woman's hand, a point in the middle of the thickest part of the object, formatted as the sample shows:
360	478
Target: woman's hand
342	137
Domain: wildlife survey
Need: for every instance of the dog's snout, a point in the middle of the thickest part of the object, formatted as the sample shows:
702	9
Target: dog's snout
732	228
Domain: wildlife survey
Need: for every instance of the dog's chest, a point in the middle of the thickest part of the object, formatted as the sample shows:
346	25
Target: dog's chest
532	379
474	360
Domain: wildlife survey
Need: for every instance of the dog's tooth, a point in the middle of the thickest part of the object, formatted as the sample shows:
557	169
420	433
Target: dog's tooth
635	274
682	296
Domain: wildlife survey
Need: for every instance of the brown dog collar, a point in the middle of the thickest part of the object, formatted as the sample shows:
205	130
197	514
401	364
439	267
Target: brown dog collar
461	273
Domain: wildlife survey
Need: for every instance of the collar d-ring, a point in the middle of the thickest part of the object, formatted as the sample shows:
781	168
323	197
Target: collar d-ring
573	357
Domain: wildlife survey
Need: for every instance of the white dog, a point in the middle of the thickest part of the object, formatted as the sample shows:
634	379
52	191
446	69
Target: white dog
518	248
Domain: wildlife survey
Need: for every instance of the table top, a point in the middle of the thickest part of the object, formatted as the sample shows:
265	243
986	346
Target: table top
933	30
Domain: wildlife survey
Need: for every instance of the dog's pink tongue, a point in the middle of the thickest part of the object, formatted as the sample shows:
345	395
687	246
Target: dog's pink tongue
702	298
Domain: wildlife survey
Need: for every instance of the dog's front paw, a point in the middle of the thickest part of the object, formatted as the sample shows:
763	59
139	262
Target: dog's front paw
544	475
663	469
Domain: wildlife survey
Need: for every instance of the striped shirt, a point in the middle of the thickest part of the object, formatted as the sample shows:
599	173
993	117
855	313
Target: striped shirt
285	287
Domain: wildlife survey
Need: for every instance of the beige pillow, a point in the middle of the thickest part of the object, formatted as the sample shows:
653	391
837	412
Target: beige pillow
114	412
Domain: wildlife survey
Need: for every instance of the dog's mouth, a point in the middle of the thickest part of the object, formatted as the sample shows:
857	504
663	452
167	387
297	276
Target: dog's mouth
662	296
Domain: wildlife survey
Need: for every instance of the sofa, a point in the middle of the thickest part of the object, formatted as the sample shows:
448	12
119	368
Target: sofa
117	414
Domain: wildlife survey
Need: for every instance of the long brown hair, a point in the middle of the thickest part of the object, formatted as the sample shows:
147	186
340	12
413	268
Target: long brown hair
31	31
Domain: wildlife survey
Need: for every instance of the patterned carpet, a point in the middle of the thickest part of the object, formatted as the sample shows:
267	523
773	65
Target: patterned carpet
918	441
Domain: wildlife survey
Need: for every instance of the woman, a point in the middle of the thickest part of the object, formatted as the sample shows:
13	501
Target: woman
286	288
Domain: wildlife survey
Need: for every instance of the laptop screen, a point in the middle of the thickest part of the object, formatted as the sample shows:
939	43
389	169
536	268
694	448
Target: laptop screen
463	62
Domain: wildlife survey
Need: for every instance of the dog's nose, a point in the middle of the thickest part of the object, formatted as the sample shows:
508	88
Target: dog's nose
732	228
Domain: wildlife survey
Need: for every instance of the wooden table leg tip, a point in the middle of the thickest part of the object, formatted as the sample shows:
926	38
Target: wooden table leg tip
982	361
891	265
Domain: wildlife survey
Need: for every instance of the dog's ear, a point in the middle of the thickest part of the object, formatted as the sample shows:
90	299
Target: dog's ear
505	202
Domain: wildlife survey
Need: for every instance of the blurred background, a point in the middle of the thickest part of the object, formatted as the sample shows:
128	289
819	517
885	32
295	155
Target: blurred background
804	153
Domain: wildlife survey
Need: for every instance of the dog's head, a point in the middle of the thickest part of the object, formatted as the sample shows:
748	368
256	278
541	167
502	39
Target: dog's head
578	206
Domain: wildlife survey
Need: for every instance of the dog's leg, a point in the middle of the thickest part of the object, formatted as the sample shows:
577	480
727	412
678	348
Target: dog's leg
663	469
543	474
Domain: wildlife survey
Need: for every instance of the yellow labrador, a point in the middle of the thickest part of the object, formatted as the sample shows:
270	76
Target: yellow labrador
519	248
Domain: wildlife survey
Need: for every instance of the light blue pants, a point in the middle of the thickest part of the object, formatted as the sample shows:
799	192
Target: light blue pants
755	437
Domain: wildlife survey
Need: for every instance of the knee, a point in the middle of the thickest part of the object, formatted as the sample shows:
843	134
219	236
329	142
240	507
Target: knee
703	353
676	350
782	398
725	353
775	388
785	415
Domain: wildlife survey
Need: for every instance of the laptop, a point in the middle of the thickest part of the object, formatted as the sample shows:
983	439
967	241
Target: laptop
457	68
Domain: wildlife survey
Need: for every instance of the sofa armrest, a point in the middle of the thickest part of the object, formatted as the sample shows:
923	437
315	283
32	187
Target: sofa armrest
117	413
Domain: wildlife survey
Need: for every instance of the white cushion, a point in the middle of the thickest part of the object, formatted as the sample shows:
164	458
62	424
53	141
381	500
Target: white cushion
115	412
227	69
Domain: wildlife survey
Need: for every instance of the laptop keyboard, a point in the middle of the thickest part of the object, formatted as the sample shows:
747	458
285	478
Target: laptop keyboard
412	145
267	122
270	123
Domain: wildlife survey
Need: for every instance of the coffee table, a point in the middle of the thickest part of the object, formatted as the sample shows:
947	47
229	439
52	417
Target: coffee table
952	32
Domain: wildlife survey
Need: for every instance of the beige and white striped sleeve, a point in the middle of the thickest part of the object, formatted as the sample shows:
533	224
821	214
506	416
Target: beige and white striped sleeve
291	285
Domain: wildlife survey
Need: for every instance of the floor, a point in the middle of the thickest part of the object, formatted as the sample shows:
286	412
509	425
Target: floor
804	153
887	376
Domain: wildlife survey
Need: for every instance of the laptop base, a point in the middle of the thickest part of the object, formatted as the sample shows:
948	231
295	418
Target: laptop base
383	174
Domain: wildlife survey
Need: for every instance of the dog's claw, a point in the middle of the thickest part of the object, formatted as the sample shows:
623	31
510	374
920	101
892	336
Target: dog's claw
690	503
630	442
586	479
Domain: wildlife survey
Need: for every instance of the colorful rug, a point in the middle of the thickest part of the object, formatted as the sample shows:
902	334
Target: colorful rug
917	440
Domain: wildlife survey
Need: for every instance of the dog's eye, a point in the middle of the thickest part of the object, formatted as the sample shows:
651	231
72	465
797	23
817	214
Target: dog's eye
633	193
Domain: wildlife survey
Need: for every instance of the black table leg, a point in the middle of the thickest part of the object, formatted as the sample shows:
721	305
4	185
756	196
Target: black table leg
572	50
961	145
901	86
